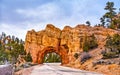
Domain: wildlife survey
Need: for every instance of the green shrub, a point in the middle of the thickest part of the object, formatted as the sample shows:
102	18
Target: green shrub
110	55
89	43
52	57
112	46
28	58
76	55
10	48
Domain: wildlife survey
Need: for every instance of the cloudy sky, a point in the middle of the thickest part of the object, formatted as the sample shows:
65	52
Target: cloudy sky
19	16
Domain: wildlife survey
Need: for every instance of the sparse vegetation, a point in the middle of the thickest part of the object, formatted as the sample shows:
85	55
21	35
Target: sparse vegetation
28	57
76	55
89	43
110	19
52	57
88	23
10	48
112	46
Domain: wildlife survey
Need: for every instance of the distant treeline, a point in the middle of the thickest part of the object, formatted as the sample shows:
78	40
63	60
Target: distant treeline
10	48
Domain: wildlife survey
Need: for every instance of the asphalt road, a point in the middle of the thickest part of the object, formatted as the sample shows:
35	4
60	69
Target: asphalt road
56	69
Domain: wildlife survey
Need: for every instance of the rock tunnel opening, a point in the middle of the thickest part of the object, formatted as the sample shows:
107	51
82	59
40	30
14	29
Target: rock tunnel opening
52	57
61	54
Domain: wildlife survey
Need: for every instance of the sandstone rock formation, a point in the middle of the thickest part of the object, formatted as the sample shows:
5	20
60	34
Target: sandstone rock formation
65	42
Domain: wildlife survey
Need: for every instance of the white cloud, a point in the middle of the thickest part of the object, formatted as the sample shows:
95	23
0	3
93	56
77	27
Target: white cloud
53	12
45	12
75	12
13	30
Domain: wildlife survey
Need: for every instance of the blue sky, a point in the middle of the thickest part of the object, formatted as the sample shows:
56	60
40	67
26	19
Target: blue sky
19	16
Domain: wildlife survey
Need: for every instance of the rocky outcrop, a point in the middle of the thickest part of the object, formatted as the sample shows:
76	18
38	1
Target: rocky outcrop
6	70
70	37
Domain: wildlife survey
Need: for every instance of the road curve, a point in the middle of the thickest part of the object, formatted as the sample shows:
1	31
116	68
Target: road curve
56	69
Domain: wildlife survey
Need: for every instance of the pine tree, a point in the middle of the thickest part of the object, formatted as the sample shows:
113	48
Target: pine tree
119	11
10	48
88	23
110	14
102	20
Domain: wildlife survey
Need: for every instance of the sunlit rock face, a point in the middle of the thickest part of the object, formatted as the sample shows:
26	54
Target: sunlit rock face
37	43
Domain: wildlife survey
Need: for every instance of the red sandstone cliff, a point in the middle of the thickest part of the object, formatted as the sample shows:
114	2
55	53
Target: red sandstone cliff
71	37
37	41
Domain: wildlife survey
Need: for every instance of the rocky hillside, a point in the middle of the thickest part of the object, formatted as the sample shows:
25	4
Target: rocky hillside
73	38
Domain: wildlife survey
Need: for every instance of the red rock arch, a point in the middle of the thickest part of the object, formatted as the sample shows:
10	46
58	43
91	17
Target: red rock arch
61	51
